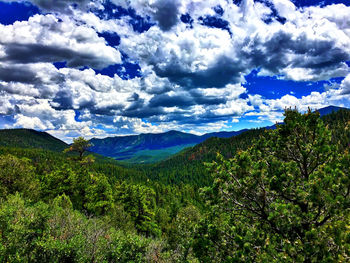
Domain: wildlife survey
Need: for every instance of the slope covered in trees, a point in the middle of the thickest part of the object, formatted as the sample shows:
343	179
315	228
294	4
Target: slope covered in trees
187	166
285	199
55	208
272	195
27	138
150	147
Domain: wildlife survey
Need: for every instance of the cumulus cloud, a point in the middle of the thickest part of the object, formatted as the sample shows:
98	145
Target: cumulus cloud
192	71
65	6
345	86
272	109
198	57
45	38
166	13
304	48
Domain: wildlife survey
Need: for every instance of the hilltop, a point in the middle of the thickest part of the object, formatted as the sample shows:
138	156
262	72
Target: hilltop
187	165
28	138
151	147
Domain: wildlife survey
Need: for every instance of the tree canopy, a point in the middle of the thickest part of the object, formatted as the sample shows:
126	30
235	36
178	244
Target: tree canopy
79	145
286	198
272	196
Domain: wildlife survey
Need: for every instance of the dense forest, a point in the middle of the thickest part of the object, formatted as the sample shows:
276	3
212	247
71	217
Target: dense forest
265	195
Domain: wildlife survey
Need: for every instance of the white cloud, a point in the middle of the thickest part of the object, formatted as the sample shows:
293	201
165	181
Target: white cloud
271	109
45	38
345	85
31	123
65	6
191	75
311	45
285	8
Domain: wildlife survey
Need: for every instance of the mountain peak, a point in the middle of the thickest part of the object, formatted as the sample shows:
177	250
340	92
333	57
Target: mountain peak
330	109
174	132
29	138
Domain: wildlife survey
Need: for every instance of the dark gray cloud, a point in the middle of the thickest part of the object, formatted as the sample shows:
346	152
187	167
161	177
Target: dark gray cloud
185	99
134	97
144	112
202	99
330	59
165	100
136	104
285	50
35	53
225	70
64	99
57	5
106	111
17	74
167	13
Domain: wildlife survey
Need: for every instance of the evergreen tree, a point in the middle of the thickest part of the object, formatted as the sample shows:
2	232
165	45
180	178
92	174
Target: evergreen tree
284	199
79	145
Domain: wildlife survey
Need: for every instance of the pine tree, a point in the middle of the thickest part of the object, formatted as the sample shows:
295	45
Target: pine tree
284	199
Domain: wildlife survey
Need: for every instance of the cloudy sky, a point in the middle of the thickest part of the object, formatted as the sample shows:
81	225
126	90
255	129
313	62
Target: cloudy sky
114	67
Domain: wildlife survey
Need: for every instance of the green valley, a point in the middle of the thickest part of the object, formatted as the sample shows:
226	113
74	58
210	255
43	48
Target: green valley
279	194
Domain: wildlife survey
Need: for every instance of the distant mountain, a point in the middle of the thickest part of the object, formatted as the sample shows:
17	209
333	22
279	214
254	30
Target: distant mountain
143	148
328	110
27	138
187	165
150	147
223	134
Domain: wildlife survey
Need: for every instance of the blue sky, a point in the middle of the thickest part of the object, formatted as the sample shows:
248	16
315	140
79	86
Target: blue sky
115	67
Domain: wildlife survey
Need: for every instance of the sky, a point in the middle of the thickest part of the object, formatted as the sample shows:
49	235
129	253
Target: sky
118	67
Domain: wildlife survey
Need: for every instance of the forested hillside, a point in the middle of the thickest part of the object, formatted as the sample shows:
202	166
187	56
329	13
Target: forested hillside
151	147
187	166
272	195
27	138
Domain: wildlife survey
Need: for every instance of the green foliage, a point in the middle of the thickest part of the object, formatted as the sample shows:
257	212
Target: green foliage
57	233
99	197
139	202
127	248
17	175
26	138
79	145
282	197
182	232
65	180
21	227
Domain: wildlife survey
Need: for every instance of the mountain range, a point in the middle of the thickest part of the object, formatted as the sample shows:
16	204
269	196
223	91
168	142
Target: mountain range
151	147
142	148
330	109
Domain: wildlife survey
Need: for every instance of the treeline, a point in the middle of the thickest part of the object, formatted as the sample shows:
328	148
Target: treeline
187	166
58	208
271	195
